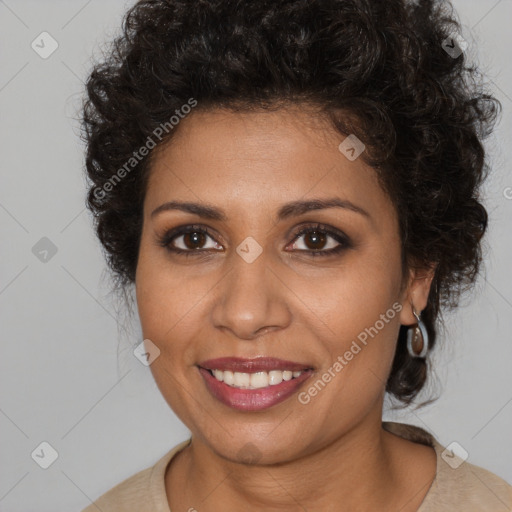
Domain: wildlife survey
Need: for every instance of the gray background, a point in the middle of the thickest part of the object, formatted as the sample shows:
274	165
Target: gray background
60	378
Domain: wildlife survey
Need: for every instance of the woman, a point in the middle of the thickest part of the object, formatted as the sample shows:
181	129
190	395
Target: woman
292	188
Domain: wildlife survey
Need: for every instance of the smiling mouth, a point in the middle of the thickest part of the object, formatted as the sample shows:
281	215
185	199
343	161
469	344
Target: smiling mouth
255	380
253	384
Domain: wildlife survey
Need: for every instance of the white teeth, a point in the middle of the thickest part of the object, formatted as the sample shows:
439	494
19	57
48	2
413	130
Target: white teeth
275	377
242	380
259	380
254	380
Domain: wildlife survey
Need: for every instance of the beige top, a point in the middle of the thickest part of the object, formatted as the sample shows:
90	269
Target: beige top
458	486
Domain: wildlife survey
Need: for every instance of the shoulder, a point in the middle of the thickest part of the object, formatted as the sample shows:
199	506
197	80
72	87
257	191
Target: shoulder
458	485
142	492
130	494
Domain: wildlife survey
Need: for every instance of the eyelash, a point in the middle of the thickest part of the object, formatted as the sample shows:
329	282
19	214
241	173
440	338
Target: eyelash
341	238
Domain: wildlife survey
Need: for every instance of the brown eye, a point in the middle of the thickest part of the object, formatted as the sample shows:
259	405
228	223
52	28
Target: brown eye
194	240
315	240
320	241
188	240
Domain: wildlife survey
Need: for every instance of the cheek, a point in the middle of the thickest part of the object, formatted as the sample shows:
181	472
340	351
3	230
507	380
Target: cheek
172	306
165	307
161	305
163	294
354	295
359	345
358	323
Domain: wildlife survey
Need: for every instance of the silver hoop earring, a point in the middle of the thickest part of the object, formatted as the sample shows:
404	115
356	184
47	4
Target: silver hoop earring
417	338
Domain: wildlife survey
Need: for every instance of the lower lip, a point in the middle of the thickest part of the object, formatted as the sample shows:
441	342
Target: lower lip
252	399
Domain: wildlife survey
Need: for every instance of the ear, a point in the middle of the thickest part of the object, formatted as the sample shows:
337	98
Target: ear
416	293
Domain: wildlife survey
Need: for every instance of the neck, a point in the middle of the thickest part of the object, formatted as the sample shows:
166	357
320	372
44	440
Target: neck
355	472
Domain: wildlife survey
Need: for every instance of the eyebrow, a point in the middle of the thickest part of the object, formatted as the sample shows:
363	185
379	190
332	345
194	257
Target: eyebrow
288	210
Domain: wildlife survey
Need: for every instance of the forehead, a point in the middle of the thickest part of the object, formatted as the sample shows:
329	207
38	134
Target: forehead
254	160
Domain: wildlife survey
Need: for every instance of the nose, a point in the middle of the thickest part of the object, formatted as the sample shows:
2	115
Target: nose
251	300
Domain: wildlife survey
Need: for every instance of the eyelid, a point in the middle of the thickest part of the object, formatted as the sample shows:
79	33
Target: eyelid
344	242
171	234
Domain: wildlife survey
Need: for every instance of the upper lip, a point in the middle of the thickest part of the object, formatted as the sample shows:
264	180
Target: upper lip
259	364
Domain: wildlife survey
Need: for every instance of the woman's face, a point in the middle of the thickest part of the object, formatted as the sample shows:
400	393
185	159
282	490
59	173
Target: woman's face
250	287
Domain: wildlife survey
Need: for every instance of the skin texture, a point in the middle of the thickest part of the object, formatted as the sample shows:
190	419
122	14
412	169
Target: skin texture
286	304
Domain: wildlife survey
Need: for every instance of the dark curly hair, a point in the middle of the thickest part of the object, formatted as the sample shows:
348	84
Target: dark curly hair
380	70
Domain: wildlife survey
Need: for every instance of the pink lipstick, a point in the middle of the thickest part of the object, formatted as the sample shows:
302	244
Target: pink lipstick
253	384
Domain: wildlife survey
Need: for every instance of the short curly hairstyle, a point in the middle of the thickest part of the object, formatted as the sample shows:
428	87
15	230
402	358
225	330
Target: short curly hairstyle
380	70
